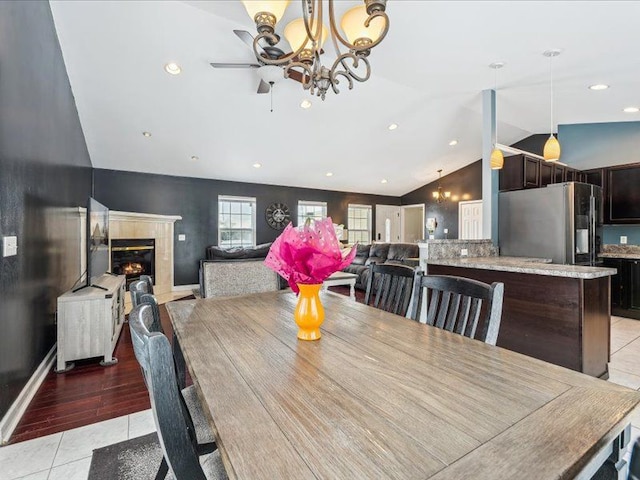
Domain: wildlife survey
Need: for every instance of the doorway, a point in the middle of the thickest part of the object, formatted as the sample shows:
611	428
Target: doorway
412	223
470	220
387	223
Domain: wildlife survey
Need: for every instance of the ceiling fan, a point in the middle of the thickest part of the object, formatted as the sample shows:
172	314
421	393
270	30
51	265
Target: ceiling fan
267	52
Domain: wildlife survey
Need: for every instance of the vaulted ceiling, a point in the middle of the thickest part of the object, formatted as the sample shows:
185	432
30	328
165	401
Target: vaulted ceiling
427	77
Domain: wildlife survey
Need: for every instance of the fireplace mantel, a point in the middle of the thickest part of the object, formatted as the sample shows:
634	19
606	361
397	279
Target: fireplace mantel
146	225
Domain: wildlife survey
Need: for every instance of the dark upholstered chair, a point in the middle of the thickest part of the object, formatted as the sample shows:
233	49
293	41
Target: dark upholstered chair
455	304
175	428
149	282
136	290
634	463
389	287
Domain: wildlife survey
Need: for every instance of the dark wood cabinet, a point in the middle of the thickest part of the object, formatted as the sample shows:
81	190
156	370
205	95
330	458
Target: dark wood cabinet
519	172
571	175
547	174
560	173
623	193
595	176
625	287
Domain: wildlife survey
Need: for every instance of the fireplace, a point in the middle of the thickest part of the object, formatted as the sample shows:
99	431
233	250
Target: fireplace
133	257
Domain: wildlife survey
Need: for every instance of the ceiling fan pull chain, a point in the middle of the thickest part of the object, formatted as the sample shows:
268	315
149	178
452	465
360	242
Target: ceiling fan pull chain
271	91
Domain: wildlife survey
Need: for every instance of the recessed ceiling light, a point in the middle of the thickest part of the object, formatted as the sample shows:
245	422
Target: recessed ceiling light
305	104
329	174
453	143
194	157
172	68
146	134
393	126
598	86
384	180
257	165
631	110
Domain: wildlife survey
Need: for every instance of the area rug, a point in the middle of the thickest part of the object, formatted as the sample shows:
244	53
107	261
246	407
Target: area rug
135	459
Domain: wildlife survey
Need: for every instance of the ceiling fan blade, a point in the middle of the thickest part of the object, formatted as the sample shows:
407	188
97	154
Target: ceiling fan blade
264	87
296	75
234	65
247	38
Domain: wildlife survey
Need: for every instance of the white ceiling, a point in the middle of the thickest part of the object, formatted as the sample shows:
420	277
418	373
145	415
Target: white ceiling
427	76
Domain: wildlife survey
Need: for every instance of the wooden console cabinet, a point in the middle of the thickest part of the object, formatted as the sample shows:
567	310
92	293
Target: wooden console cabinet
89	322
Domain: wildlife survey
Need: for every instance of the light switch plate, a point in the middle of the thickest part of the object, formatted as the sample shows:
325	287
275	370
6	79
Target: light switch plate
464	252
182	237
446	230
623	239
9	246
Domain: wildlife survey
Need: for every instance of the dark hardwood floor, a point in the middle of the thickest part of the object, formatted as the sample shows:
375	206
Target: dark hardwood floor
90	393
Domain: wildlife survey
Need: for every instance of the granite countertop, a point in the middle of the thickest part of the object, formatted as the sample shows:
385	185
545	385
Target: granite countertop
631	256
535	266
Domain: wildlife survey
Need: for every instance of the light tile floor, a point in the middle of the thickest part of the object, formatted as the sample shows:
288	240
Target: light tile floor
67	455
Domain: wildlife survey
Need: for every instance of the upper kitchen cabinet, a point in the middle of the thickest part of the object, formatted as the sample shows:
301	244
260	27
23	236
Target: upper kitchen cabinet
519	171
623	193
547	174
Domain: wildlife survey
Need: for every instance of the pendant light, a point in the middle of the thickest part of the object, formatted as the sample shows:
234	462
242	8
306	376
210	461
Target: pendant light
551	152
497	158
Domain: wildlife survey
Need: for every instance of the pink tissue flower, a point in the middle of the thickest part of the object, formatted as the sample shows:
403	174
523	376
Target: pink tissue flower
307	254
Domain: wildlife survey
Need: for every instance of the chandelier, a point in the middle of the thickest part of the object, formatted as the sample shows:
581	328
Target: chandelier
364	26
439	195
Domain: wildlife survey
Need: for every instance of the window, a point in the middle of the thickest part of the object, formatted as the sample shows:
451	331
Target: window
236	221
312	210
359	223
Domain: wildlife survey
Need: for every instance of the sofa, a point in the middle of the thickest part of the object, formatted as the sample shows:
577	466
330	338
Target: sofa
237	271
391	253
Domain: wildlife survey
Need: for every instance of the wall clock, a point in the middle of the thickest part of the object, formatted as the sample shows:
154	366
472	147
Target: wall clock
278	215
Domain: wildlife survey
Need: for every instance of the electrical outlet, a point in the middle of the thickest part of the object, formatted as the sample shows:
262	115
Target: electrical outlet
9	246
623	239
464	252
182	237
446	230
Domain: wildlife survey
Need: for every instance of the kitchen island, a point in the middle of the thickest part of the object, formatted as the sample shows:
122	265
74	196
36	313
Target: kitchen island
557	313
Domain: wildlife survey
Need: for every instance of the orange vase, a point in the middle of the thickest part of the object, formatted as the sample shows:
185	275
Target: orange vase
309	312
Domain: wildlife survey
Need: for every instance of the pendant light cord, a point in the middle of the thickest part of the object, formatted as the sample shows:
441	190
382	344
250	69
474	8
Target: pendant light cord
495	106
551	70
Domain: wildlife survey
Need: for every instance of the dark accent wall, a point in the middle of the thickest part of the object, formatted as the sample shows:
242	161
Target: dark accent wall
44	167
196	200
464	184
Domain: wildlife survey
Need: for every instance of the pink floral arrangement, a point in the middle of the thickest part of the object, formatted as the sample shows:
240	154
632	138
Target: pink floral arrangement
307	254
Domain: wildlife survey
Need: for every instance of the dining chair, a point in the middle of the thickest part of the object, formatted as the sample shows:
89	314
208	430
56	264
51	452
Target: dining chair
147	279
456	303
389	287
175	428
634	463
136	290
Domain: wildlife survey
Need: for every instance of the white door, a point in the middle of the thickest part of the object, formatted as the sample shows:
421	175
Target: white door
470	220
412	223
387	224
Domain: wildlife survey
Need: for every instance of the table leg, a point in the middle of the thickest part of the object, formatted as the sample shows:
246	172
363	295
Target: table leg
352	290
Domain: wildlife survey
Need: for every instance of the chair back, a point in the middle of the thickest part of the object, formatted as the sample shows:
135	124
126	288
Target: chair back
389	287
634	463
455	304
149	299
149	282
137	289
174	425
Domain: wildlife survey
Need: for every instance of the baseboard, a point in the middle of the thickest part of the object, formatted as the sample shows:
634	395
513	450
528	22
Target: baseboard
184	288
11	419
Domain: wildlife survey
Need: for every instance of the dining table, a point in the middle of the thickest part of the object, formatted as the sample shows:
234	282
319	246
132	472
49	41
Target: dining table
382	396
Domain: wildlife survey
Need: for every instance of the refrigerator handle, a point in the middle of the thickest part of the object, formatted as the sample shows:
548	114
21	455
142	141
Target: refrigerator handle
593	256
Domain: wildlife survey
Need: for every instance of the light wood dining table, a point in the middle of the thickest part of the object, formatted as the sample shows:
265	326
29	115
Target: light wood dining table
381	396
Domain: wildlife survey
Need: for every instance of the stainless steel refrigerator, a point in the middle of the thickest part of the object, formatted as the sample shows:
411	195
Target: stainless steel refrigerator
562	221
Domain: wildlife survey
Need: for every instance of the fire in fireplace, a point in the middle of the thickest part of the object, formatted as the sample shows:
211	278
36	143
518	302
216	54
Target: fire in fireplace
133	257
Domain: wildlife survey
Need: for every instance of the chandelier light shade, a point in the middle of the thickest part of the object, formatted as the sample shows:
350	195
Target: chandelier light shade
497	159
439	195
266	12
353	25
296	34
362	28
551	151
